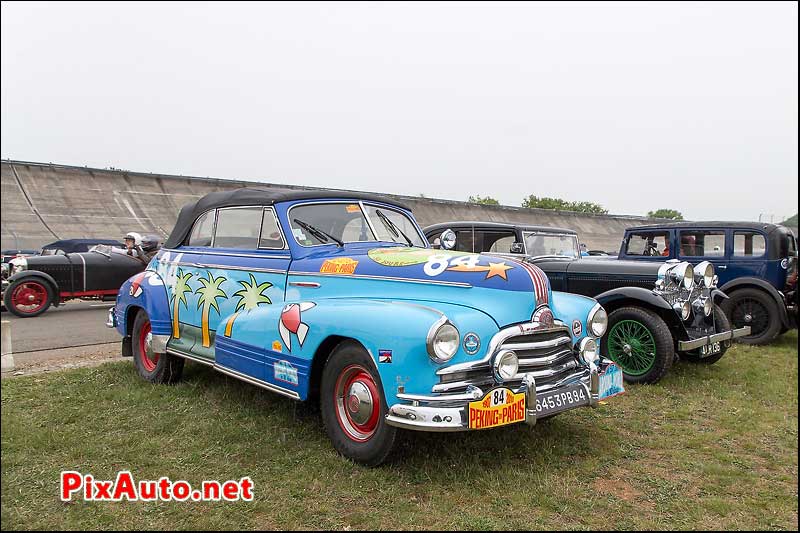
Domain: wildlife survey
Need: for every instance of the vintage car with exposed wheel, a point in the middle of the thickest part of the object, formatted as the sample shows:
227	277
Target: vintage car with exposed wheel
656	310
756	264
335	297
35	283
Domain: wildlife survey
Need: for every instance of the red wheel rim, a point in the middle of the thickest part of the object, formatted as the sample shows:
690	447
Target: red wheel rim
357	403
147	355
29	297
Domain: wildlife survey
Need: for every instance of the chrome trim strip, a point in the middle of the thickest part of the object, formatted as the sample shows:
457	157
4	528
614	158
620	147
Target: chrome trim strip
257	382
522	346
544	361
84	271
191	357
232	267
489	379
528	328
229	254
383	278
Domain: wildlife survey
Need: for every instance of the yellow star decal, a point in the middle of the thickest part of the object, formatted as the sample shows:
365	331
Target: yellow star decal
498	269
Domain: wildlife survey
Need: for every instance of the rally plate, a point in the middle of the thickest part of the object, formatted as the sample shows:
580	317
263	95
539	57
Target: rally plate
499	407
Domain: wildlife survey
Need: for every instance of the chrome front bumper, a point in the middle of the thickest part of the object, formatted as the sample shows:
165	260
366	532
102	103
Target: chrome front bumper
451	412
685	346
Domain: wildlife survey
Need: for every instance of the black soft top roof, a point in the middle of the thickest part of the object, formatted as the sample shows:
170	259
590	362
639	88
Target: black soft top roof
257	196
78	245
496	225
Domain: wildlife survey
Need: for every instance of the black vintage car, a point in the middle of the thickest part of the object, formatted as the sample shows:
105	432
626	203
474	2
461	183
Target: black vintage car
655	310
37	282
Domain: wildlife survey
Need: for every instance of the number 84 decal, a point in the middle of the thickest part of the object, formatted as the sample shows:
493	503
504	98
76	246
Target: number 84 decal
437	264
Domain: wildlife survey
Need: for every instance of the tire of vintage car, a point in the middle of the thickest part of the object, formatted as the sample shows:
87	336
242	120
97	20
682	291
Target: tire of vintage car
721	323
28	297
639	342
152	367
353	407
754	308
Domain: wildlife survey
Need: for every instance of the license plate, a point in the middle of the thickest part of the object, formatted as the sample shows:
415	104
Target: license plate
498	407
561	399
611	381
711	349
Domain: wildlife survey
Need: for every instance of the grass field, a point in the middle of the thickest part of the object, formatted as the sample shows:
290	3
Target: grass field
707	448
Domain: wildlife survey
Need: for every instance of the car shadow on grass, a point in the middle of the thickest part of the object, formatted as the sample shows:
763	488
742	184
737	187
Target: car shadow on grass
575	438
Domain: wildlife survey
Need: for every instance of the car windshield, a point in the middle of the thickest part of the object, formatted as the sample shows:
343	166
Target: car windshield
347	222
538	244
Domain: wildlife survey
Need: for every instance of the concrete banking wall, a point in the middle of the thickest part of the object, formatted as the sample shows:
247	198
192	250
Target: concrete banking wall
45	202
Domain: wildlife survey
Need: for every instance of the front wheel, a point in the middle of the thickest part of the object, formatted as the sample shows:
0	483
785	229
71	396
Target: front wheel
754	308
640	343
152	366
353	407
28	297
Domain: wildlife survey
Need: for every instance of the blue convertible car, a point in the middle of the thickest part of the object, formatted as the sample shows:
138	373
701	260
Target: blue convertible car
336	297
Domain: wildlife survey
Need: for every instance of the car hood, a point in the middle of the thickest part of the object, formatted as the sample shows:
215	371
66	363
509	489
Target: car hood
506	289
588	265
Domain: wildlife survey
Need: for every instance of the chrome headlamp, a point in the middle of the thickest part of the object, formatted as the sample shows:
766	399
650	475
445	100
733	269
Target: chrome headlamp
704	273
505	365
597	321
682	274
589	351
442	342
683	308
18	264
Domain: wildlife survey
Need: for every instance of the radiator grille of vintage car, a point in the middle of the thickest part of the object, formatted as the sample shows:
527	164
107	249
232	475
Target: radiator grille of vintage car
547	354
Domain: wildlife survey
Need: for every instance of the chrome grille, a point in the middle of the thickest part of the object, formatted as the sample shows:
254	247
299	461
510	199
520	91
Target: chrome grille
548	355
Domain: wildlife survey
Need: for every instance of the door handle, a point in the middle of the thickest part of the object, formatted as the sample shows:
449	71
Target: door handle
722	267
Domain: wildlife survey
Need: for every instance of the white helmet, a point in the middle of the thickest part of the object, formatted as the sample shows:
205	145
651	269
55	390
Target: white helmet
137	239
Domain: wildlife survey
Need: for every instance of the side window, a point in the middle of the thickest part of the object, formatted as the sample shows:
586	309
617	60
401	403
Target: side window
748	244
270	232
702	243
498	242
238	228
465	241
648	244
203	230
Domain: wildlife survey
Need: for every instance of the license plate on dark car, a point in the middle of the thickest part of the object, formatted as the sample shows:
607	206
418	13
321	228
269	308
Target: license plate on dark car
548	403
711	349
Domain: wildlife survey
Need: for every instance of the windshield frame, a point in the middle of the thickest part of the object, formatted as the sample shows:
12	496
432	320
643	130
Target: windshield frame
577	249
361	204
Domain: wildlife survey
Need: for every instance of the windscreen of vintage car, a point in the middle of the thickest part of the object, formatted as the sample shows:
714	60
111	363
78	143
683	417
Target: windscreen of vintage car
347	222
538	244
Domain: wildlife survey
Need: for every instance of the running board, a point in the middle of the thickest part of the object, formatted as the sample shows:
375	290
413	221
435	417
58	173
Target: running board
238	375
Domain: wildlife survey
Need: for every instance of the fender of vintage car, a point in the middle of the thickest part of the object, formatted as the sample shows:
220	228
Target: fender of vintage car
282	345
646	296
37	274
765	286
566	304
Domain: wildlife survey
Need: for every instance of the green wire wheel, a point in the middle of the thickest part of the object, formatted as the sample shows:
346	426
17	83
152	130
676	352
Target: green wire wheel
632	347
640	342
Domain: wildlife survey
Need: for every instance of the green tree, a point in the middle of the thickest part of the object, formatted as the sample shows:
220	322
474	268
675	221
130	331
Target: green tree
484	200
209	292
250	296
545	202
665	213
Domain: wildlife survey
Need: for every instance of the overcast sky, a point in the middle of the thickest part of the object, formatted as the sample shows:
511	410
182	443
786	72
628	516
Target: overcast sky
633	106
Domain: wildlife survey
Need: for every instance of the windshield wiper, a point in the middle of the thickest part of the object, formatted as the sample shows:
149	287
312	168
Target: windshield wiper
318	233
392	227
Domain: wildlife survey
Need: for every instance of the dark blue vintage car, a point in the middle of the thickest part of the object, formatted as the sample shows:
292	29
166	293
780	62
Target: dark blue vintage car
756	264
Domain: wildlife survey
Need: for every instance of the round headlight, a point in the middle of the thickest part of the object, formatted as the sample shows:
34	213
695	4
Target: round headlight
588	349
447	239
683	308
18	264
506	365
704	273
443	341
598	321
708	307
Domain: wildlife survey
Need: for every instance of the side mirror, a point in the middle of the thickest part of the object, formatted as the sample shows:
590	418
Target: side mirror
448	239
517	248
